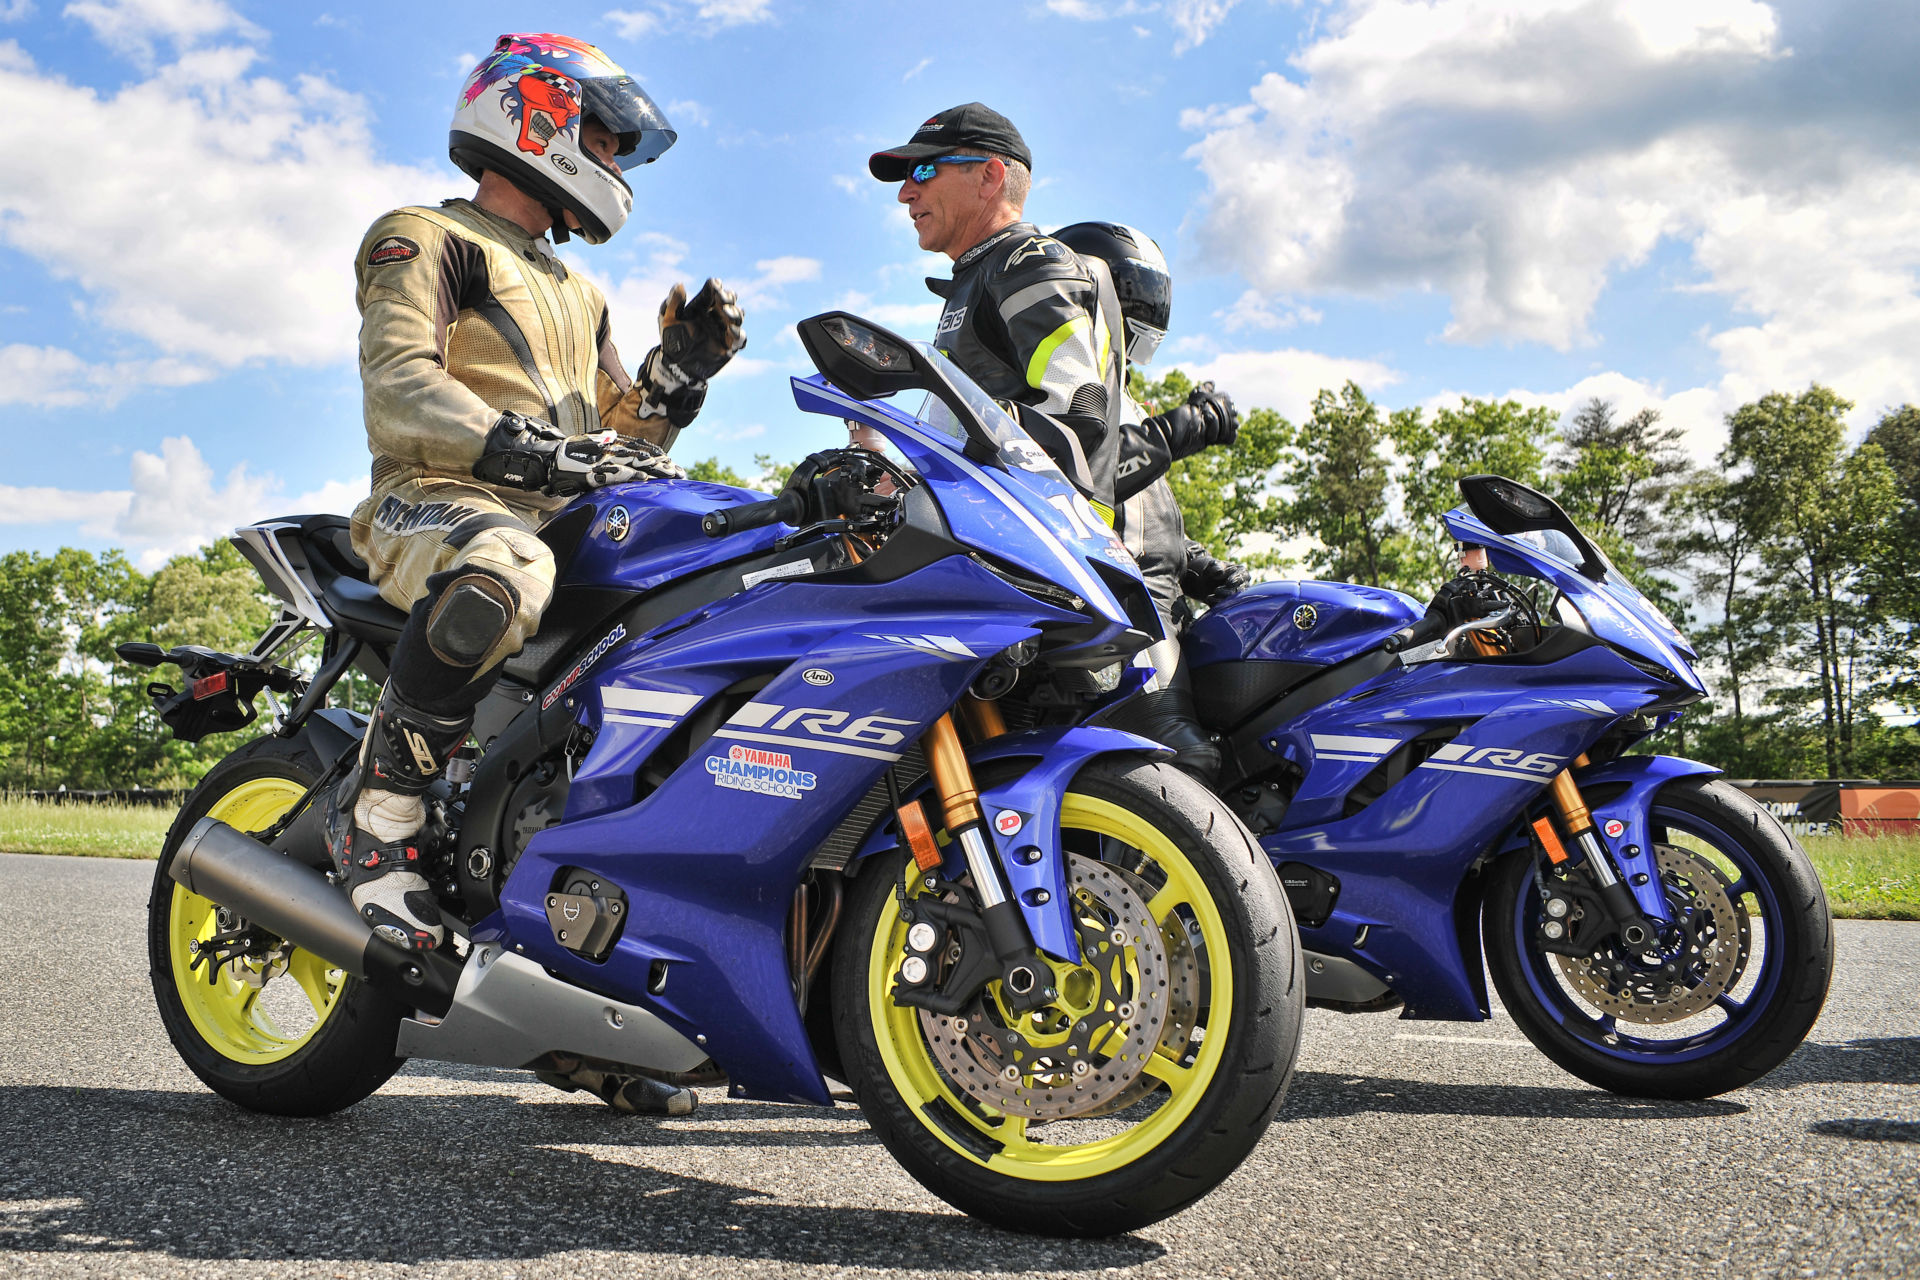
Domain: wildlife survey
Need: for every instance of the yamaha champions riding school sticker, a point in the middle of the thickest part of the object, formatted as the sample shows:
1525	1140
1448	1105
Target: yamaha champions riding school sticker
767	773
392	249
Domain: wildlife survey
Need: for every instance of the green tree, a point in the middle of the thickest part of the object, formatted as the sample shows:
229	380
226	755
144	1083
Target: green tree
1500	437
1893	576
1228	497
1719	548
1614	475
713	471
1339	475
1826	513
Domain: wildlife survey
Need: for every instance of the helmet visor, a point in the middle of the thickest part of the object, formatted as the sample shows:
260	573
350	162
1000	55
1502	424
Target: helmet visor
619	103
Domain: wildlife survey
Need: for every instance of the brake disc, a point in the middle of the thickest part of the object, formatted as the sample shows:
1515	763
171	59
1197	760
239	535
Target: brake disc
1709	961
1080	1054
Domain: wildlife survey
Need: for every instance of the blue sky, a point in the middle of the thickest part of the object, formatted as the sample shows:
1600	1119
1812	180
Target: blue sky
1675	203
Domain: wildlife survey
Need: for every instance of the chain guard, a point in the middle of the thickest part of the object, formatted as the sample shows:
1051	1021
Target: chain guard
1712	958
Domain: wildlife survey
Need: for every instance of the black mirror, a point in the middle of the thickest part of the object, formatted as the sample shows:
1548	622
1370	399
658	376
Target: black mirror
862	359
1507	506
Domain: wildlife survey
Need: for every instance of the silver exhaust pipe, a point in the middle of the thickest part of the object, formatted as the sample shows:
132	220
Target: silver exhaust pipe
293	901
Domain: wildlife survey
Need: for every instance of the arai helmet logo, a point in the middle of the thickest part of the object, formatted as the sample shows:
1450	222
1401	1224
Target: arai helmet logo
1305	616
564	165
816	676
619	524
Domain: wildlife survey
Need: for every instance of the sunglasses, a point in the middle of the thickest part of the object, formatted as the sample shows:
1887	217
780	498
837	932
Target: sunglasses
924	171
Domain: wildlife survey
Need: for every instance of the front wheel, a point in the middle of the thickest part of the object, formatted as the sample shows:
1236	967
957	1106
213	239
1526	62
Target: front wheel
277	1029
1740	977
1154	1072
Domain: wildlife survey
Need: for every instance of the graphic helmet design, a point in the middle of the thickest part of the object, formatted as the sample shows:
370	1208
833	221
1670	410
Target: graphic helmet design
1140	277
520	114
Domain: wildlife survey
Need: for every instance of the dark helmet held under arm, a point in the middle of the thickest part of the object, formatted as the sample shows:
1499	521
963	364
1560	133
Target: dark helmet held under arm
1140	277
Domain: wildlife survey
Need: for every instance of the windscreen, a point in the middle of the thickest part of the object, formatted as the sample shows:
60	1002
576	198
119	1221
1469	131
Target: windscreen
1016	448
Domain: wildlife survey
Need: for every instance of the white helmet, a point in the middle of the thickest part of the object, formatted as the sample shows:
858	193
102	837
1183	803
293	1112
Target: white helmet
520	115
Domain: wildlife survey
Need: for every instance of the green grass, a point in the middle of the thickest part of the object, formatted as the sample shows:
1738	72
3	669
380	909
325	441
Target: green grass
92	830
1867	877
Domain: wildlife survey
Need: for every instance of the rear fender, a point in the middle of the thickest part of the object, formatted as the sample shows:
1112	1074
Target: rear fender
1632	847
1023	821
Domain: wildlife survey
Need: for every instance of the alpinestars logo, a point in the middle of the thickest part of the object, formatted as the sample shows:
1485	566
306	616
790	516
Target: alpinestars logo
950	322
1035	247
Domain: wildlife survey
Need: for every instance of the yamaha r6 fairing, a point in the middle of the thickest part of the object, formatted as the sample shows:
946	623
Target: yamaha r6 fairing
1649	928
748	809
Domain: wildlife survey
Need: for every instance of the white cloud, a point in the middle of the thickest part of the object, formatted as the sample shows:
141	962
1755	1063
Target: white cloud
909	319
216	216
133	27
1699	412
707	15
686	110
173	503
1286	380
1254	310
15	10
918	67
1195	20
55	378
1517	154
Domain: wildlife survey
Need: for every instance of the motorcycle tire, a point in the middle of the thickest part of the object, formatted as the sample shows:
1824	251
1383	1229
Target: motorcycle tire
1749	996
285	1034
1111	1148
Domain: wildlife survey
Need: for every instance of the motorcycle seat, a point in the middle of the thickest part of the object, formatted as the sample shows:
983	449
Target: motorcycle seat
357	605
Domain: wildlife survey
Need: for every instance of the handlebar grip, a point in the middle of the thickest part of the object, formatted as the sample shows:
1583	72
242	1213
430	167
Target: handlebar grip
786	508
1431	627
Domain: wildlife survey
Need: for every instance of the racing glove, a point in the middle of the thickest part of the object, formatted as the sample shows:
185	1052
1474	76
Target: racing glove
1209	580
526	453
699	336
1219	422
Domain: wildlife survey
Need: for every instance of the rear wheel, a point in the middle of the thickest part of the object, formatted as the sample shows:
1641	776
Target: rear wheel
1152	1075
1740	979
278	1030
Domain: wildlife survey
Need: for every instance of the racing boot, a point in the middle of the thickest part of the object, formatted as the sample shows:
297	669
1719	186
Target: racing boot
1166	714
374	816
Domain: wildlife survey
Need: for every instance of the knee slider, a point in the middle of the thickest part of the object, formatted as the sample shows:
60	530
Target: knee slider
471	616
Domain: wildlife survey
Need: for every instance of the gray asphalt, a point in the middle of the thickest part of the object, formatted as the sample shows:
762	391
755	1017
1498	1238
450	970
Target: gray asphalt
1405	1149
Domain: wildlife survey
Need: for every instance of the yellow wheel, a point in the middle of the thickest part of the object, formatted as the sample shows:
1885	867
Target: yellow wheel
271	1026
1165	1052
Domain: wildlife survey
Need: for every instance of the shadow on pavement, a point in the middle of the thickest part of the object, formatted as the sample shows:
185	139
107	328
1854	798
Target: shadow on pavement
1888	1060
1863	1130
412	1178
1317	1095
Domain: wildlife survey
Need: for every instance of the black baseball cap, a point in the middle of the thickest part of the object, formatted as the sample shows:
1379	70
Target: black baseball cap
971	125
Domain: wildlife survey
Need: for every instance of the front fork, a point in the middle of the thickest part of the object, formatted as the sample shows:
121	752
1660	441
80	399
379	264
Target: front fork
1636	931
1024	977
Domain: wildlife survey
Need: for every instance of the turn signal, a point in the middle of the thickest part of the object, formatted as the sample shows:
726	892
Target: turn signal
913	825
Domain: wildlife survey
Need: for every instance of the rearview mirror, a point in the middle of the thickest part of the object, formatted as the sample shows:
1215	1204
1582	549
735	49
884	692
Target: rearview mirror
862	359
1507	506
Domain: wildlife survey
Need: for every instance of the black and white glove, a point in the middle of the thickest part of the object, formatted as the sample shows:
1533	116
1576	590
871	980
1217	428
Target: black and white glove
699	336
1211	581
526	453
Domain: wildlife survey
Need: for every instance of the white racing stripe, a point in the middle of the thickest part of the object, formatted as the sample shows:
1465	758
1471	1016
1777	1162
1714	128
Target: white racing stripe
815	744
1334	755
627	718
1542	778
657	701
1347	742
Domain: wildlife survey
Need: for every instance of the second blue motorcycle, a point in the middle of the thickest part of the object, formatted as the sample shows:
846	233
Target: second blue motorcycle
1465	782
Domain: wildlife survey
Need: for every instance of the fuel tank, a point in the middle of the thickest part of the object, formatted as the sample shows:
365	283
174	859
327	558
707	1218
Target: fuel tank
638	536
1271	637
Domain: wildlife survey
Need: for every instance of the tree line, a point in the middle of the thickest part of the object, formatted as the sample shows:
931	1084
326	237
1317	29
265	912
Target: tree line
1790	564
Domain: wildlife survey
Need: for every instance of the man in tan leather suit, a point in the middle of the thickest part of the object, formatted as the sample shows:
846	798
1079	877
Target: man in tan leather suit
493	395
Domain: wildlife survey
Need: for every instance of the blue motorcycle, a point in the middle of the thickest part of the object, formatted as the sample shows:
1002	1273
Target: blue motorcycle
756	807
1429	783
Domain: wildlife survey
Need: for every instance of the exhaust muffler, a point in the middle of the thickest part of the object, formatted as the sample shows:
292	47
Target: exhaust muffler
296	902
